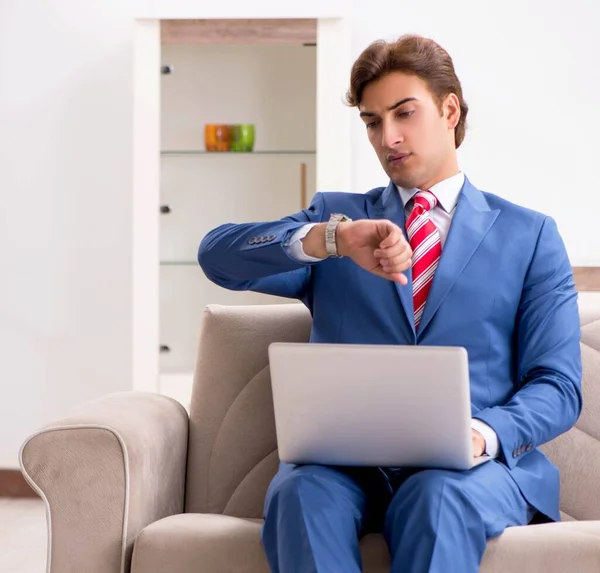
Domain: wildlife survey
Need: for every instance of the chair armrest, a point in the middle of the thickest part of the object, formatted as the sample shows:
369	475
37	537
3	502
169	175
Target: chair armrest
105	472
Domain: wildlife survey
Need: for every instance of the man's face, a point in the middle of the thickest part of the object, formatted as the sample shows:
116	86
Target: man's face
413	140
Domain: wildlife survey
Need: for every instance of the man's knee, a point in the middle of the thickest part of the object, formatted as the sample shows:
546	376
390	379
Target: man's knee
423	494
428	485
309	482
291	485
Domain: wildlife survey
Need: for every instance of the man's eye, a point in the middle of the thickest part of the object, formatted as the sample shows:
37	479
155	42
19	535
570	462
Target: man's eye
371	124
406	113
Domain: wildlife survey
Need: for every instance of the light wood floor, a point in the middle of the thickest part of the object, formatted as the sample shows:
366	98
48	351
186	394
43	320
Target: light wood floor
22	536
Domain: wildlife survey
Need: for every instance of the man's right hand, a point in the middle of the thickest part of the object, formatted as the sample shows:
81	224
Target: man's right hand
378	246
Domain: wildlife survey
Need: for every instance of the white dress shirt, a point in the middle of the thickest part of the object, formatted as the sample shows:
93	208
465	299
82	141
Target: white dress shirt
447	193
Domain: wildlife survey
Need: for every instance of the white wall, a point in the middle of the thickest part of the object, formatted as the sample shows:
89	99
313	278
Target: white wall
530	74
65	185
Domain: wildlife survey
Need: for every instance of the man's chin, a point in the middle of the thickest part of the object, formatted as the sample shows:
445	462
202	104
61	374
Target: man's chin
405	178
404	181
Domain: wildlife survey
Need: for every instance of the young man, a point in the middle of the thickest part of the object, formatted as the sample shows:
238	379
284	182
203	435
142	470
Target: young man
473	270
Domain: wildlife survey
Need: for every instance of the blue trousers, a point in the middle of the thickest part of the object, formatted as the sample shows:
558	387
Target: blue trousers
434	521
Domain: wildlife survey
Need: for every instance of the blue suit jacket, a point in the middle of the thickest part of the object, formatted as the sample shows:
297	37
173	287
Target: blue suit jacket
503	290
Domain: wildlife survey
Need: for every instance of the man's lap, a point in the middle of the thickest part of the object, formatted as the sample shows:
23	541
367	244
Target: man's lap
489	488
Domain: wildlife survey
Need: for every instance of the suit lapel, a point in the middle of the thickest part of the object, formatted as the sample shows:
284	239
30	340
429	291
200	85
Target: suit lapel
471	222
389	206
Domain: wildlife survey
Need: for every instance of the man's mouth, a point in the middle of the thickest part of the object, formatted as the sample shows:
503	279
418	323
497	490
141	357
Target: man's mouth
398	158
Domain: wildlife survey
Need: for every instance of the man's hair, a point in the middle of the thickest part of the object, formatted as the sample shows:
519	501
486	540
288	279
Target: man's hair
410	54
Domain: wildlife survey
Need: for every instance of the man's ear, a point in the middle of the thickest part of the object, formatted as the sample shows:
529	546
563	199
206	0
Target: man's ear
452	110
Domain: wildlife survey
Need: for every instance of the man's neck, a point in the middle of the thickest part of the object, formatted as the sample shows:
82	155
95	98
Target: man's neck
449	169
442	176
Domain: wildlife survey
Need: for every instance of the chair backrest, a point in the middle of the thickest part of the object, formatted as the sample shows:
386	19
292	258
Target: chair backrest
577	452
232	452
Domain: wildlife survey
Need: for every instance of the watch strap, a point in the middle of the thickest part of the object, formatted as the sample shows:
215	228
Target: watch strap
330	233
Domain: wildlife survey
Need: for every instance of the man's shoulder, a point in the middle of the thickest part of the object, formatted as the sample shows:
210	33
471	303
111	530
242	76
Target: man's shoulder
348	202
513	211
371	195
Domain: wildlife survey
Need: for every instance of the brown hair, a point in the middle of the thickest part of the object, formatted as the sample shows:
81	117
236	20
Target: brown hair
410	54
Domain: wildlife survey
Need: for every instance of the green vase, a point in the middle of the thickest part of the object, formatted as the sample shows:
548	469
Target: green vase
235	144
246	137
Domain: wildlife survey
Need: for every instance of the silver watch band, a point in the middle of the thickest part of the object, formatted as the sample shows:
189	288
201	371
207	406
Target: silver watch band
330	233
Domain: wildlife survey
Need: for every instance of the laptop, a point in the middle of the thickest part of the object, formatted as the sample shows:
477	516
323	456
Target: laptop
372	405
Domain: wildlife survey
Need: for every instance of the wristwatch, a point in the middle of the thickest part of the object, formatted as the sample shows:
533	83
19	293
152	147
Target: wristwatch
330	234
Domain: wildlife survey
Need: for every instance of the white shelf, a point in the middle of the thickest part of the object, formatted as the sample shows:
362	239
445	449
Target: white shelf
232	154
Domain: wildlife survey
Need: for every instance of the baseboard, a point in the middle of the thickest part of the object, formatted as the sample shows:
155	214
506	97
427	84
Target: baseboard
13	484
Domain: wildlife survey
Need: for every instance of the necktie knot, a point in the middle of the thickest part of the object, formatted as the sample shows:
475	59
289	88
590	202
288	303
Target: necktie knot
426	200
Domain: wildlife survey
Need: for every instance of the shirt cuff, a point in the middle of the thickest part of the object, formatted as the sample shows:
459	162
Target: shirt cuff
294	245
490	437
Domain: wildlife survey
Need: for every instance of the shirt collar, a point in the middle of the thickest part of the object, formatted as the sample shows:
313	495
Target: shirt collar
446	191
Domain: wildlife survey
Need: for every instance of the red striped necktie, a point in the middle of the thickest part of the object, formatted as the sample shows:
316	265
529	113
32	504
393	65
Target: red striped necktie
424	239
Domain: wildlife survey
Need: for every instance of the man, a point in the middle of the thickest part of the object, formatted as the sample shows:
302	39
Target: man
476	271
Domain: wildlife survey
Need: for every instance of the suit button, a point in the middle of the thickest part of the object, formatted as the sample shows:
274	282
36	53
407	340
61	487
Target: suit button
252	240
263	239
271	238
529	448
515	454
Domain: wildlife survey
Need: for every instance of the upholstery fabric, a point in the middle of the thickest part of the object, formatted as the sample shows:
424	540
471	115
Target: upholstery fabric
114	470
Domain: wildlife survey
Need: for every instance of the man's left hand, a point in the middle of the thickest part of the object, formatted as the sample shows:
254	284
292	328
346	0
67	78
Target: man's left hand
478	443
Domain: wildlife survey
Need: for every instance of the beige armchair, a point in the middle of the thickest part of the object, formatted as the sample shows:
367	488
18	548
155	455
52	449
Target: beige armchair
132	484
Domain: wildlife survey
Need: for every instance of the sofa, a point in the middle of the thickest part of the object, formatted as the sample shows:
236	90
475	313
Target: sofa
132	483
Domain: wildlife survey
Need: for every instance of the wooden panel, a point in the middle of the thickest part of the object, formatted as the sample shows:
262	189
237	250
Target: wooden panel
587	278
288	31
303	200
13	484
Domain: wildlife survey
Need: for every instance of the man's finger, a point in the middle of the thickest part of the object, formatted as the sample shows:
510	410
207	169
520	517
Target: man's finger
396	266
399	248
395	277
398	257
399	278
392	238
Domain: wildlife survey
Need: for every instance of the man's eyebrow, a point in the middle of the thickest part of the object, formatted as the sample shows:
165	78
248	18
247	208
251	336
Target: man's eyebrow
390	108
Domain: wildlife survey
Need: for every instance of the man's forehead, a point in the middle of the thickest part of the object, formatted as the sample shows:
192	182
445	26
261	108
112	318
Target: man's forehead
395	85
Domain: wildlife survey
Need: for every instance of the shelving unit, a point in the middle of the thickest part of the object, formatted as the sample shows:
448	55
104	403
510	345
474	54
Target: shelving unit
263	72
200	190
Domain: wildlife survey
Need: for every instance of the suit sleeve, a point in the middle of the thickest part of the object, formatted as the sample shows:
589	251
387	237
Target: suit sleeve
255	256
549	398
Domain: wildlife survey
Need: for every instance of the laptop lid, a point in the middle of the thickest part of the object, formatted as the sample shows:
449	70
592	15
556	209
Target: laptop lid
372	405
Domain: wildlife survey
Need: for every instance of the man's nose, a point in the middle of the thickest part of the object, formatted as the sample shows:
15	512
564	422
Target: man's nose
391	136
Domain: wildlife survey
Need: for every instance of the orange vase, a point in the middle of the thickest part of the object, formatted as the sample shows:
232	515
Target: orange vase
210	137
222	137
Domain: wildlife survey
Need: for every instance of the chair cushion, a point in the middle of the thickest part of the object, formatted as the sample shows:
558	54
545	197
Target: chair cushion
203	543
548	548
208	543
